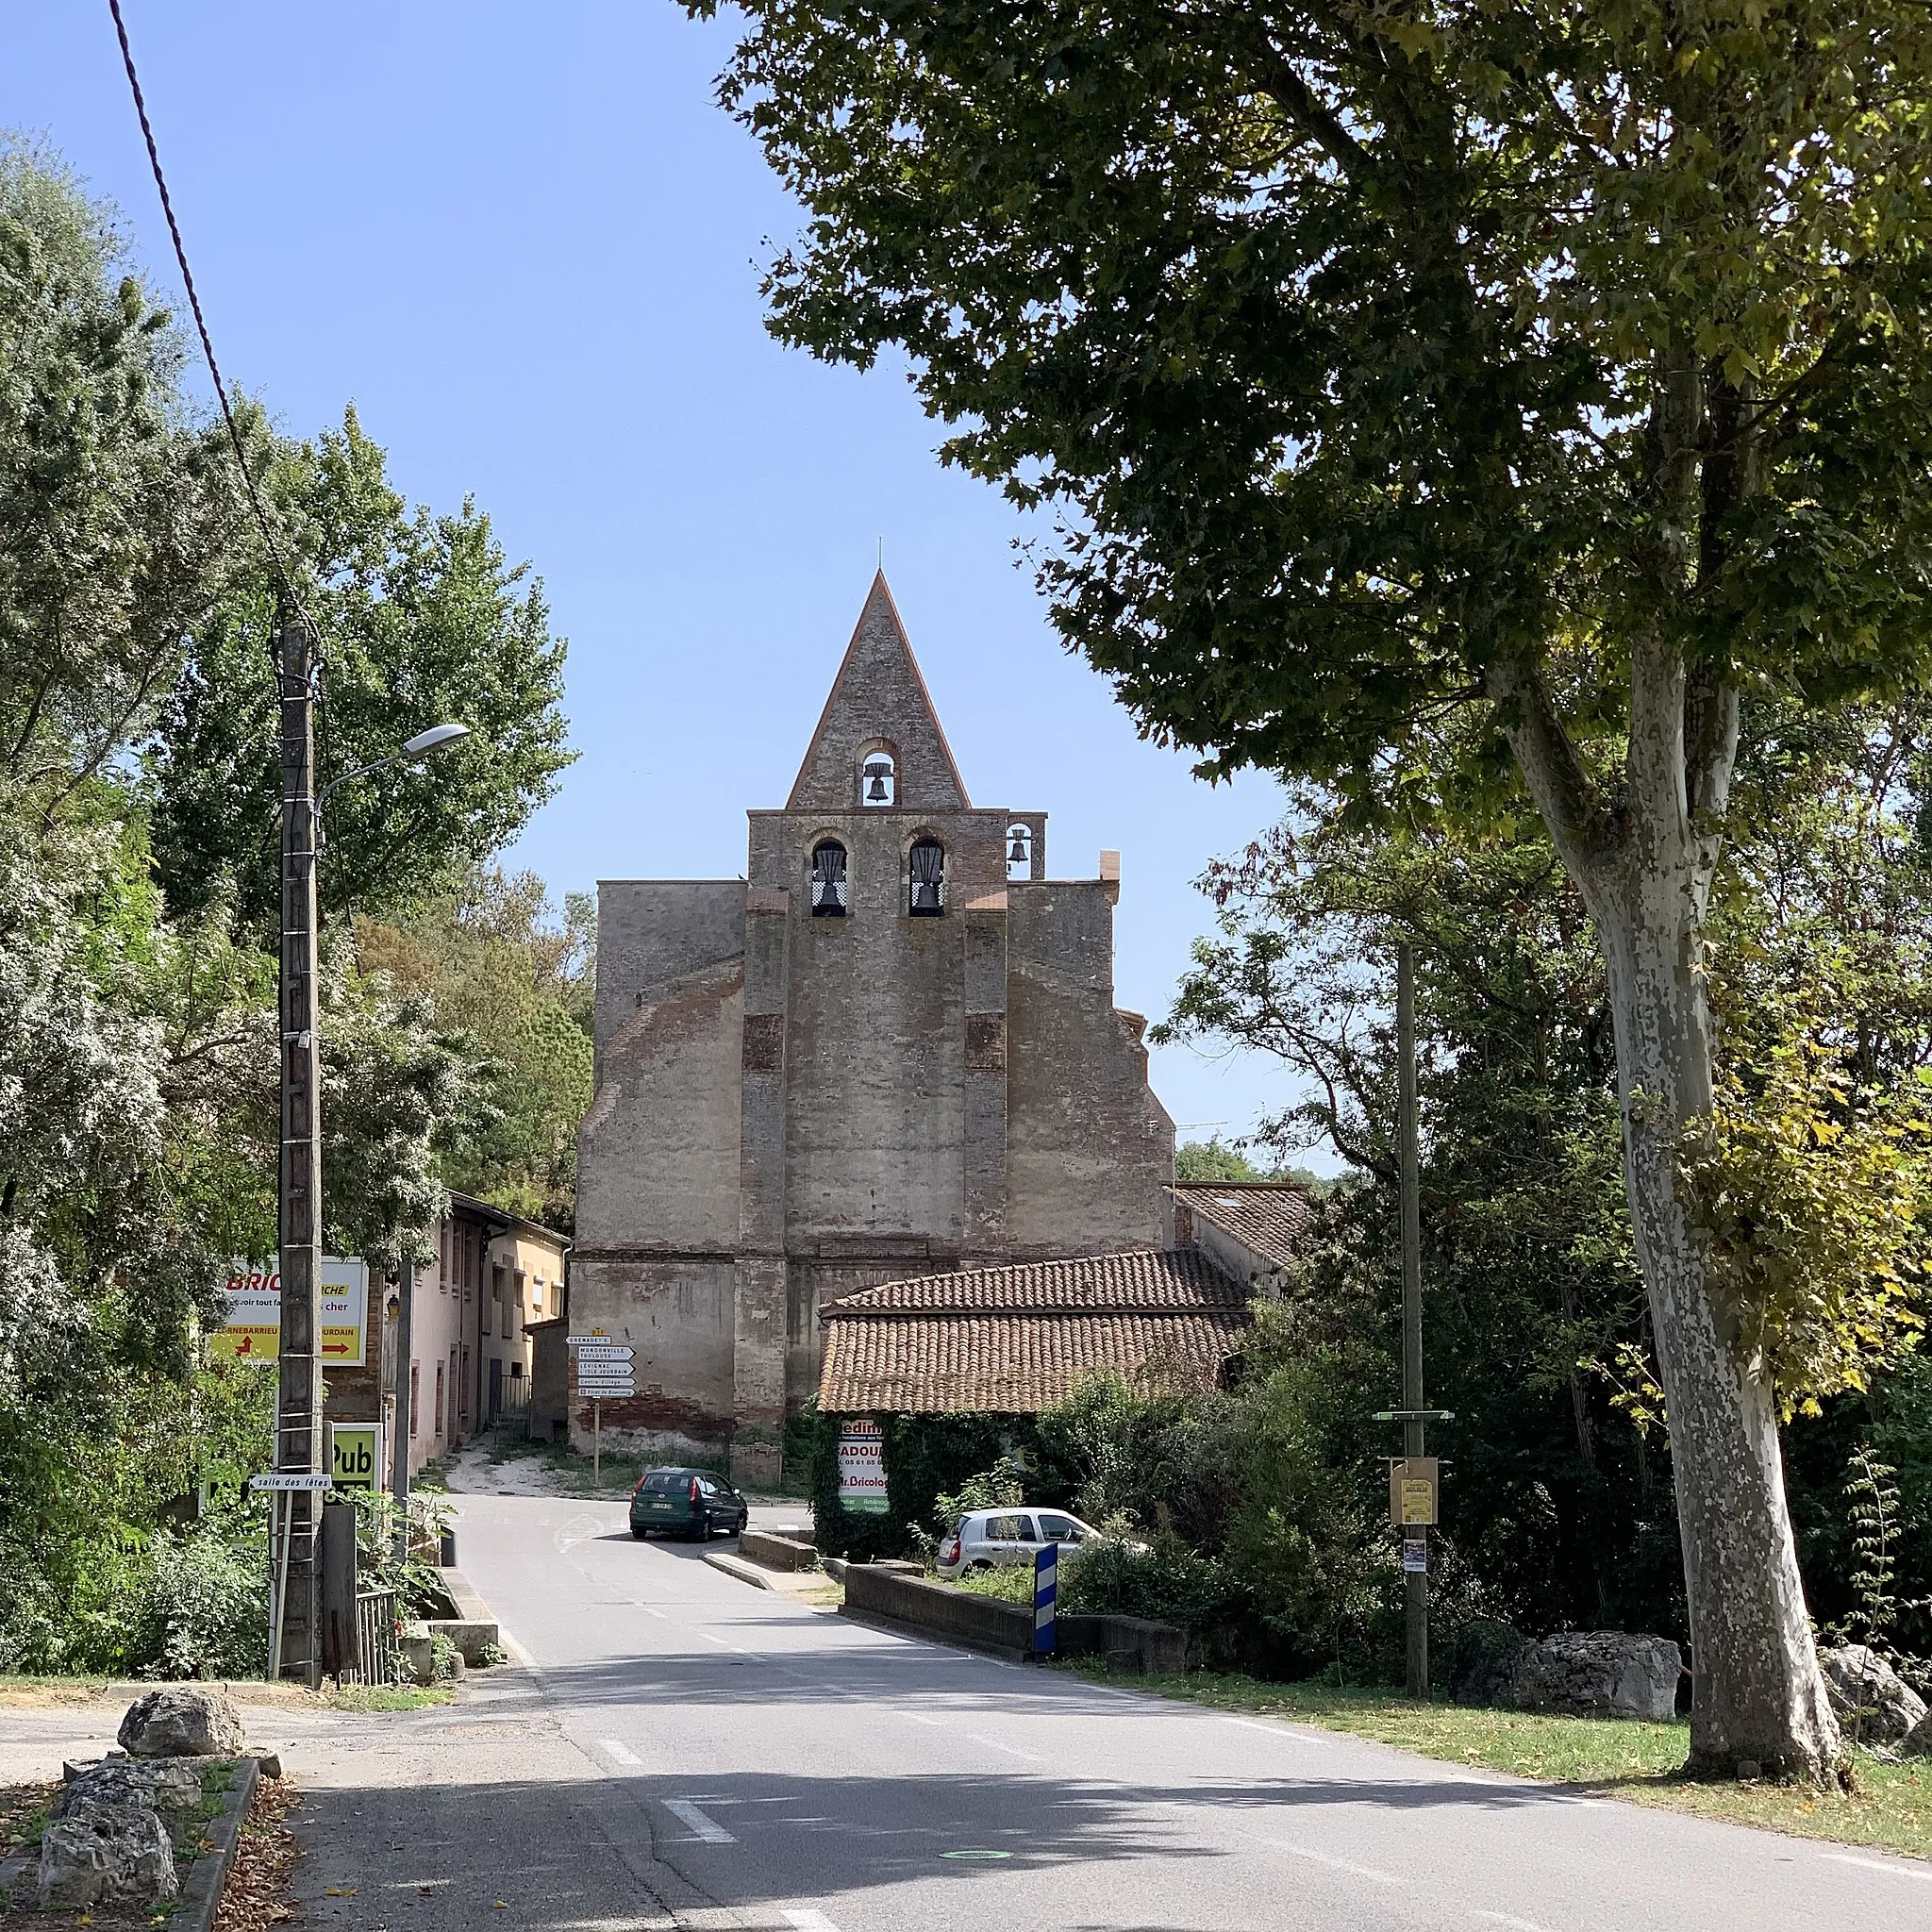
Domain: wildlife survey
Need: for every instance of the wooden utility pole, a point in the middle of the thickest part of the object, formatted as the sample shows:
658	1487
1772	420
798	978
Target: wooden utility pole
298	1423
1409	1159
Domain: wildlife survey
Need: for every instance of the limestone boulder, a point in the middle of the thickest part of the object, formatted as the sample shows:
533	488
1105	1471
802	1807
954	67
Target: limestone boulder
1600	1673
115	1855
165	1784
1875	1704
1917	1742
183	1720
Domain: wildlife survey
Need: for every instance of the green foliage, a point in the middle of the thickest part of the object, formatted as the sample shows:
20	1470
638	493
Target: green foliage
1815	1195
203	1613
139	1136
1166	1582
1213	1161
421	621
114	514
514	983
1003	1486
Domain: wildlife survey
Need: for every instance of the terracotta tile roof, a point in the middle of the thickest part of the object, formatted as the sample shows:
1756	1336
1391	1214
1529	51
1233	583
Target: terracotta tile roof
1270	1217
1016	1340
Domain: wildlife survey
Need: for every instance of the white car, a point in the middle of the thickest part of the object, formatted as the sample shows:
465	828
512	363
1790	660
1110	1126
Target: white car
987	1539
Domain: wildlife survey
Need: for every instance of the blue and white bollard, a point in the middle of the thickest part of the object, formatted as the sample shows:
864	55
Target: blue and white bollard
1046	1576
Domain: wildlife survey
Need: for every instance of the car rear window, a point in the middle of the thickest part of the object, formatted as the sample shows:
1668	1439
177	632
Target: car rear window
665	1480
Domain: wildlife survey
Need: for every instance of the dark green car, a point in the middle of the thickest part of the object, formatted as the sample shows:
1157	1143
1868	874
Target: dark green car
685	1502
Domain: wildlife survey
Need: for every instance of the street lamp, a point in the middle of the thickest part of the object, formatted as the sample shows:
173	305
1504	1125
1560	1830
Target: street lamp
296	1617
413	752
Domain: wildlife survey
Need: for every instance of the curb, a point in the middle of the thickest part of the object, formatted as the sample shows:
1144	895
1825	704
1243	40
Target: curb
735	1566
201	1894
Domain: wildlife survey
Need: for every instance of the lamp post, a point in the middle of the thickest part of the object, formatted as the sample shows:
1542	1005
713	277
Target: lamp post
296	1611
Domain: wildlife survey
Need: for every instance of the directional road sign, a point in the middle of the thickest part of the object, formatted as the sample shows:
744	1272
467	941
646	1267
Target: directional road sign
289	1479
627	1386
604	1351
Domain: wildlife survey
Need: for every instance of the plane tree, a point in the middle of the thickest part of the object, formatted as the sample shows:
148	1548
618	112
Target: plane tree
1561	365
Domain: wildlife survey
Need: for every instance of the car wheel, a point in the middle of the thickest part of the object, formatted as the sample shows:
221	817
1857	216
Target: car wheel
639	1532
977	1566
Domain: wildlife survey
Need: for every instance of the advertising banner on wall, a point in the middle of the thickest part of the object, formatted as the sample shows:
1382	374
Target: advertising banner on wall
862	1468
253	1331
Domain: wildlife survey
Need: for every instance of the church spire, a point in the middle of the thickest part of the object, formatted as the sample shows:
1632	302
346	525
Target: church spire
879	699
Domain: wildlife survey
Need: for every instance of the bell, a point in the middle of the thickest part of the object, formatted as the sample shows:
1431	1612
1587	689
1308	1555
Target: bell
876	789
1017	853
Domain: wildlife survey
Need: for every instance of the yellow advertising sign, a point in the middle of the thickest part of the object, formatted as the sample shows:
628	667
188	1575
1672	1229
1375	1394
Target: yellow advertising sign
1412	1492
253	1331
358	1454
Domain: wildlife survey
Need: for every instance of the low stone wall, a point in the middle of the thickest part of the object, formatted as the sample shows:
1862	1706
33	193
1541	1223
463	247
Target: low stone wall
983	1623
934	1610
1127	1643
776	1552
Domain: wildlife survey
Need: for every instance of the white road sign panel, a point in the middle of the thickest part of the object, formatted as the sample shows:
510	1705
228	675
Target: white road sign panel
289	1479
604	1352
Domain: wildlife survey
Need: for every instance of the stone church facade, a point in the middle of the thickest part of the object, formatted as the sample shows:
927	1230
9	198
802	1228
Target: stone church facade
890	1050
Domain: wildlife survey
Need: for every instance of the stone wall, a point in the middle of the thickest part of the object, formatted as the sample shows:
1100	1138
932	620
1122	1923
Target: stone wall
1089	1150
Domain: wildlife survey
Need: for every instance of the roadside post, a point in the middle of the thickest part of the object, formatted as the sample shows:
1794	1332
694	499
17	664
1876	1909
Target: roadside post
1046	1577
605	1372
1412	1476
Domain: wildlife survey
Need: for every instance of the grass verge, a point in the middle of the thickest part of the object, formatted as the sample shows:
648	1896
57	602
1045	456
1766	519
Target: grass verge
1891	1807
19	1693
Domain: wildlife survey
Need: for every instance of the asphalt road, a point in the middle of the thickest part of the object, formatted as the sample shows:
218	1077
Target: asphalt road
687	1751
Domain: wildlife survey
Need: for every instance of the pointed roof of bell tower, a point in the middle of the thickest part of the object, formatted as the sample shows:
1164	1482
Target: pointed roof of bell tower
879	695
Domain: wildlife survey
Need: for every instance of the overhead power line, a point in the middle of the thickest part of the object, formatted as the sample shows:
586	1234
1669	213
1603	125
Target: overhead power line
207	347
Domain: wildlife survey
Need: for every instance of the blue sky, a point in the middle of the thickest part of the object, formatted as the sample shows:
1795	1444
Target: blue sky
526	243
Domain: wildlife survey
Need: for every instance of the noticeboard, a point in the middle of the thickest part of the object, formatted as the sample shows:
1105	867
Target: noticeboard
1412	1492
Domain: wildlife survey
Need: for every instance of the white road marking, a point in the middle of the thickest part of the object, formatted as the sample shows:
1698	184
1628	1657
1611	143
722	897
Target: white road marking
1336	1864
1299	1736
980	1737
1503	1919
1879	1865
622	1753
707	1828
805	1919
919	1717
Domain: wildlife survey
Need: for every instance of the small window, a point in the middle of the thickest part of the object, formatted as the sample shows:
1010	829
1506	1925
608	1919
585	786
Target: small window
830	889
1059	1529
878	779
926	880
1019	852
1009	1529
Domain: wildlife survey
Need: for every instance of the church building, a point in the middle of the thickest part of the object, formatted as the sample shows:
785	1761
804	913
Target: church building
891	1050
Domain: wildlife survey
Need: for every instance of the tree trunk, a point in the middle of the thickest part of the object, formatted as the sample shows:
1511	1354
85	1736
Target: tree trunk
1644	862
1757	1695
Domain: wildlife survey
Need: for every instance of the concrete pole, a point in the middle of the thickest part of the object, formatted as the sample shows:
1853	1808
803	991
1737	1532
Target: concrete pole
1409	1159
399	1447
298	1433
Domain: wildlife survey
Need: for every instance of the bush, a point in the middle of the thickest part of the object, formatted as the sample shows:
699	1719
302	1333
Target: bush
205	1613
1165	1583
